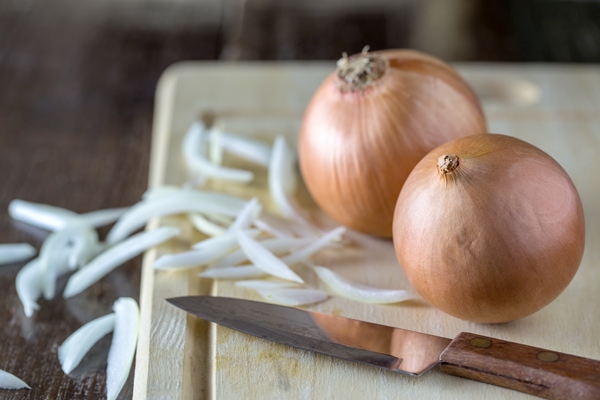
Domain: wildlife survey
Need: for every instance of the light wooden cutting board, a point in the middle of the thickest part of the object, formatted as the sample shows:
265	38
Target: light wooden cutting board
555	108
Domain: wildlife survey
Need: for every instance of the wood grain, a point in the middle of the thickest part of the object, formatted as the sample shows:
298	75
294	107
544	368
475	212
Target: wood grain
554	108
541	372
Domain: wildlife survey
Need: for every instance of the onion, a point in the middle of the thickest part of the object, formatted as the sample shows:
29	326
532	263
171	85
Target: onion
276	245
184	201
9	381
76	346
293	297
29	286
115	256
489	228
248	149
306	252
122	348
262	284
362	293
193	147
368	125
205	225
241	272
16	252
264	259
248	214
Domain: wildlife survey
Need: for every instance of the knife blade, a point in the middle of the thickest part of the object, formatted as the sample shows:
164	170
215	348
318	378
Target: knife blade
544	373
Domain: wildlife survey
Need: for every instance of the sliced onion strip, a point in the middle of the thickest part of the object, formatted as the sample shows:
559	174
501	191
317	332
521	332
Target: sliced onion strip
122	348
185	201
241	272
246	148
306	252
76	346
41	215
114	257
276	245
362	293
16	252
29	286
248	214
205	225
9	381
262	284
293	297
264	259
193	148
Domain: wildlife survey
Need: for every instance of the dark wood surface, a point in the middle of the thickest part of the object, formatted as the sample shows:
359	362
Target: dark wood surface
76	99
540	372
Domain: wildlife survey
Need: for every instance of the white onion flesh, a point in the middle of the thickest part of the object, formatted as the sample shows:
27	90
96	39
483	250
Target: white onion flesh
248	214
215	148
276	245
122	348
248	149
204	252
80	238
16	252
262	284
264	259
114	256
29	286
54	218
76	346
293	297
358	292
9	381
193	148
184	201
241	272
205	225
305	253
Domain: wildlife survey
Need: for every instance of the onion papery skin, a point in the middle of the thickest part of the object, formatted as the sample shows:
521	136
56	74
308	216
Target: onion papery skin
496	239
356	147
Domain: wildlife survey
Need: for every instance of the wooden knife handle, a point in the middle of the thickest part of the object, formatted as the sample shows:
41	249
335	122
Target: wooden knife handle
539	372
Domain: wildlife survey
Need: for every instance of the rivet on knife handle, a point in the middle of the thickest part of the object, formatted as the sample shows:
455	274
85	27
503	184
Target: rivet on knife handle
532	370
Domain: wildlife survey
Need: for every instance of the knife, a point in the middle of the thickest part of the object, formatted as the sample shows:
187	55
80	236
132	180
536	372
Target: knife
540	372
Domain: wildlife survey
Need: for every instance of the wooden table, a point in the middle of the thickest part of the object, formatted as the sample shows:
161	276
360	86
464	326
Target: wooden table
553	107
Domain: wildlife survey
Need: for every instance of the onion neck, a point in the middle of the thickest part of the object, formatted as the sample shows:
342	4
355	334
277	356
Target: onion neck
359	71
448	163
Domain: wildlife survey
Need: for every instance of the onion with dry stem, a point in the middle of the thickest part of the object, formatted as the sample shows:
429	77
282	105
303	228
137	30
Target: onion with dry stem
489	228
368	125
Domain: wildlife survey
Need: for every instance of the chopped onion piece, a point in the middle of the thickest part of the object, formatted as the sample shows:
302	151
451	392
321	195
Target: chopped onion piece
262	284
362	293
194	155
215	148
205	252
40	215
249	149
205	225
277	245
282	182
16	252
306	252
76	346
293	297
9	381
83	241
248	214
242	272
29	286
184	201
264	259
114	257
122	348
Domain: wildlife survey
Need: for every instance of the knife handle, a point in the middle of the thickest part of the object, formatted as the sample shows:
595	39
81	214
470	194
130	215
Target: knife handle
532	370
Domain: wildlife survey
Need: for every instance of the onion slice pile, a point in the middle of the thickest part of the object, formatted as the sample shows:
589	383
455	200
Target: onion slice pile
264	259
115	256
122	349
16	252
362	293
194	153
183	201
293	297
9	381
76	346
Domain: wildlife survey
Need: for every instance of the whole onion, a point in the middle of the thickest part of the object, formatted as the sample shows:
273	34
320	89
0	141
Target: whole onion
368	125
489	228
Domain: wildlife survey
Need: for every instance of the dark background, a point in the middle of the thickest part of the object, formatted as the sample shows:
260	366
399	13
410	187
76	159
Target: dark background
77	82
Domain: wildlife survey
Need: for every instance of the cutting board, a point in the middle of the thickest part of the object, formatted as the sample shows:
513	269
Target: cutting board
553	107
